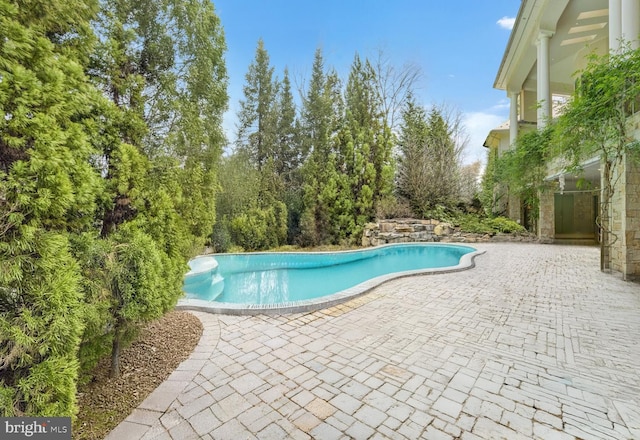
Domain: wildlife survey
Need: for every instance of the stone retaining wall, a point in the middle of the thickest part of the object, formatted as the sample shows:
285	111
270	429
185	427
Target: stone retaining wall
412	230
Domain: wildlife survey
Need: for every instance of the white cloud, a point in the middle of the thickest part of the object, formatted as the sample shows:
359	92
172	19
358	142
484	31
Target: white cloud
478	125
506	22
501	105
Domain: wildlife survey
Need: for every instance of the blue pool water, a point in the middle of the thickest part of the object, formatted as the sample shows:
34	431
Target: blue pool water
275	278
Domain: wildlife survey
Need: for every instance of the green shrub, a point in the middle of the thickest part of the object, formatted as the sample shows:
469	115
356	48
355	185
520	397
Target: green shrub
506	225
442	213
482	225
221	237
393	207
40	326
249	230
260	229
280	219
90	252
473	224
144	282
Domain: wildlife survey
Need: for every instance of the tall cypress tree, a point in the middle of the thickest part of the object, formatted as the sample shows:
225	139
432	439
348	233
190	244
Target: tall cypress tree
196	139
160	63
257	118
365	146
263	223
444	165
428	172
289	156
322	181
413	175
48	190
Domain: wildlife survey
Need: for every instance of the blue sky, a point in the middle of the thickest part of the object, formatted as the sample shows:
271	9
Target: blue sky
458	45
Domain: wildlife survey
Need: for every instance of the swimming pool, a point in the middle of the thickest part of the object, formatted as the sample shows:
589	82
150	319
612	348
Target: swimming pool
301	281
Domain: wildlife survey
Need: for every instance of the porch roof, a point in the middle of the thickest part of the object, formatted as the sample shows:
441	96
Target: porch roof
502	130
577	27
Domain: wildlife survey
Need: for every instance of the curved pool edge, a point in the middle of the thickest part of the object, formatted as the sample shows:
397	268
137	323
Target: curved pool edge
467	261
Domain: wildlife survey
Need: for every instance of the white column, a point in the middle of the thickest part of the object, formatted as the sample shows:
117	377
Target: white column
544	79
513	117
615	24
630	12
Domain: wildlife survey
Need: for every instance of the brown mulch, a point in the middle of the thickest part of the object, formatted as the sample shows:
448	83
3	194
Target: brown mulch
159	349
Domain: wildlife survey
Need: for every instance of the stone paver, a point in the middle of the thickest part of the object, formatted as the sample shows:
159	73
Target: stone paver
534	342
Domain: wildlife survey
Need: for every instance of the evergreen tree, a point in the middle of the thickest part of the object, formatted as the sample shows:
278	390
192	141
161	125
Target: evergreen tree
289	157
161	65
365	146
412	174
48	190
489	194
262	223
196	139
445	158
428	164
320	123
257	118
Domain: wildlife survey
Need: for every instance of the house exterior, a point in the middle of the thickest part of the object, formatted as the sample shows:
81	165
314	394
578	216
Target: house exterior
550	41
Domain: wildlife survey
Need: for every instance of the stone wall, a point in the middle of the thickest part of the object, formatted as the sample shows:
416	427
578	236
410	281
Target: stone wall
546	215
632	222
514	209
413	230
625	213
625	222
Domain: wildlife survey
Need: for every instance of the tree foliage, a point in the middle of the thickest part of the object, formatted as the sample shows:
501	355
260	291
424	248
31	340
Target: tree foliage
430	146
491	192
522	169
161	66
594	121
595	124
331	165
364	149
320	123
144	283
266	153
109	145
48	189
469	182
257	118
288	155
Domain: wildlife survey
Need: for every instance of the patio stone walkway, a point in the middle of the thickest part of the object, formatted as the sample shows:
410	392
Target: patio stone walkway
534	342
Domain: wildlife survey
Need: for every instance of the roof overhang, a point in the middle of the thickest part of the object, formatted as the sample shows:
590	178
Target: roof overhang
589	171
577	27
497	134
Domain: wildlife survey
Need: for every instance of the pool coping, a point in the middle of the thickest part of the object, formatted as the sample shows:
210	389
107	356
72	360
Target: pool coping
467	261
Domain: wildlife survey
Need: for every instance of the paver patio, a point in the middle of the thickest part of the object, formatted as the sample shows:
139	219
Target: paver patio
534	342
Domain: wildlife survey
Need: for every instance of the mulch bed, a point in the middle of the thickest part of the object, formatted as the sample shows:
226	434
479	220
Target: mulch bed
159	349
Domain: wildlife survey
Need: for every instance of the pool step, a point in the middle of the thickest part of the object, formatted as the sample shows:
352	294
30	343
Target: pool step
217	286
203	280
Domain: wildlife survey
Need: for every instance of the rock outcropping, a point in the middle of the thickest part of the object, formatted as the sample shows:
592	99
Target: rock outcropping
412	230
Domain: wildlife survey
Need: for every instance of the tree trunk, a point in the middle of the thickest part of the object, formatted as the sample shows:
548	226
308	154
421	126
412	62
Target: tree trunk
115	356
605	220
604	251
